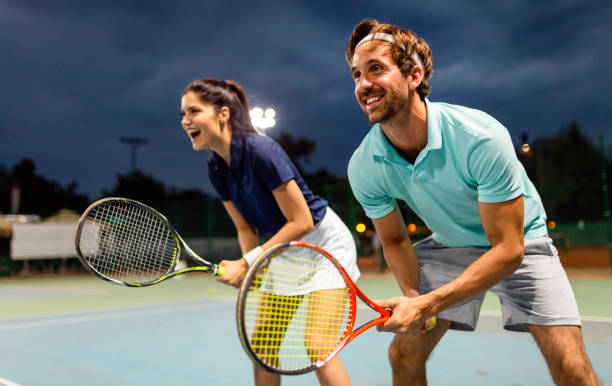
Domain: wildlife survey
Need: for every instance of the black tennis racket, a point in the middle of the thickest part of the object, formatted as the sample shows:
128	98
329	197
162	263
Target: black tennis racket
129	243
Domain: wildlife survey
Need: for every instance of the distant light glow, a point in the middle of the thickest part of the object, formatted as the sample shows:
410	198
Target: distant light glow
360	227
552	224
411	228
525	148
263	119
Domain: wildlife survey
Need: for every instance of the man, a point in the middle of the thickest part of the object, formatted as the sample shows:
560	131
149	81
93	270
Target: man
457	169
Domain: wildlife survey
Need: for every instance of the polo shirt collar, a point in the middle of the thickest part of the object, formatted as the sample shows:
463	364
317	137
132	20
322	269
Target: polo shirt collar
236	155
383	148
434	127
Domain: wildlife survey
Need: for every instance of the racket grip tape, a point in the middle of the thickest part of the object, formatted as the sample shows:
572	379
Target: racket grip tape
428	326
220	270
432	323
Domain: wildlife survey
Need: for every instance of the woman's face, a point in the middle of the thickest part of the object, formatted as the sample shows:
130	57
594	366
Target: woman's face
201	121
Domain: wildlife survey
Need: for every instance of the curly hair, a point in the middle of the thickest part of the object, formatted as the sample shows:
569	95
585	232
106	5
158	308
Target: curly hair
406	44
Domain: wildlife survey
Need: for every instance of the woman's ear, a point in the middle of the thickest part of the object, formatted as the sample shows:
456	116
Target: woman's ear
224	114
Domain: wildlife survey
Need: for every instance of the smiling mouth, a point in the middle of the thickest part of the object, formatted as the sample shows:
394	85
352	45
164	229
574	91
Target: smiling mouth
372	101
194	134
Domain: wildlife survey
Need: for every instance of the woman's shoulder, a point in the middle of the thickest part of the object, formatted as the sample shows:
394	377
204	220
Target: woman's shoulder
260	140
262	146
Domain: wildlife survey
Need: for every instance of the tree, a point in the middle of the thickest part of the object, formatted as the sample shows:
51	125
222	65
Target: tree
38	195
296	149
566	171
192	212
140	187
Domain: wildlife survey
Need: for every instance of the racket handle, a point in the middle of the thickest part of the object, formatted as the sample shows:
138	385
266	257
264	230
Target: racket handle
220	270
432	324
428	326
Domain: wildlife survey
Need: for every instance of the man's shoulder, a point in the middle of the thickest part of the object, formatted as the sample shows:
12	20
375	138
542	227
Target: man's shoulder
472	121
455	110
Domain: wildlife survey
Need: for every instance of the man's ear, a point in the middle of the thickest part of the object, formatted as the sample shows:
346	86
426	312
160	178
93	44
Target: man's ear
415	76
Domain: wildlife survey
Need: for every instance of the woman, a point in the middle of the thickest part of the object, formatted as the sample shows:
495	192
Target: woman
262	191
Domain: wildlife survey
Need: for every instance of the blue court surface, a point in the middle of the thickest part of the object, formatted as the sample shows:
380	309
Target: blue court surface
79	330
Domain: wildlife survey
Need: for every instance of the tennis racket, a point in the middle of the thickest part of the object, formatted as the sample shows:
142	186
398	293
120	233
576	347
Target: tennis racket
129	243
297	309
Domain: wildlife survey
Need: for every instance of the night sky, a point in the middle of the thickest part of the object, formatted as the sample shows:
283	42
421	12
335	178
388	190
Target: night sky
75	76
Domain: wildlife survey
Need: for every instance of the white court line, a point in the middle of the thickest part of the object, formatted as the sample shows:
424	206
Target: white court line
54	290
97	316
6	382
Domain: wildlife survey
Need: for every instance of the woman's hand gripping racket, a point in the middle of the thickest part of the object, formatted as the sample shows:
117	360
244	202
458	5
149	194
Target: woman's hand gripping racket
131	244
297	308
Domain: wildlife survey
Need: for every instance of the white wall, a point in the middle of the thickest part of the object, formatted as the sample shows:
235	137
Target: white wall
50	241
43	241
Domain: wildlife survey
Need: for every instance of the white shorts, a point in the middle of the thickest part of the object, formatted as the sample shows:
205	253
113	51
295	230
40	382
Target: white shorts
332	235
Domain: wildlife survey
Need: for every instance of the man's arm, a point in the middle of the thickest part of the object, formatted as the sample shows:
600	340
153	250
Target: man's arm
503	225
399	252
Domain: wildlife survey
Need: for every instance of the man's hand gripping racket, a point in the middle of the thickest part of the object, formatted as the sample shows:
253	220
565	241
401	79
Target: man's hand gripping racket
404	308
297	308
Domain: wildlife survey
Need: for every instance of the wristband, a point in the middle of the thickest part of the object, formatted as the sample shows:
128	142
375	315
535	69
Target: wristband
251	255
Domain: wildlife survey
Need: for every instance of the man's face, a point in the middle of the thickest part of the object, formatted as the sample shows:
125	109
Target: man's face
380	88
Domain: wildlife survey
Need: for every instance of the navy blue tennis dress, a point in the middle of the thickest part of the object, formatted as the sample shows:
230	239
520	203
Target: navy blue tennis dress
258	165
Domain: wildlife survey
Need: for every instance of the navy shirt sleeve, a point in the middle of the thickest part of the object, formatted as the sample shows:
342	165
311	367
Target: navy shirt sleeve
272	163
258	166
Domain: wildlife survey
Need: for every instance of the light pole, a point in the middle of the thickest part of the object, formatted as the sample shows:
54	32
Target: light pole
132	142
606	202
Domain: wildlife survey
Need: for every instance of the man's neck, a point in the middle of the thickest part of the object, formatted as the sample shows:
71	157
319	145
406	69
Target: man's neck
407	130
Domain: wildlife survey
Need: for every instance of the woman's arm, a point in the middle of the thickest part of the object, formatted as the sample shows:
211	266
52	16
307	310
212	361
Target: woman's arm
247	239
299	222
292	204
247	235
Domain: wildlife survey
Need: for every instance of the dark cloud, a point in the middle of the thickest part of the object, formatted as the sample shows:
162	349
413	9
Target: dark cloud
78	75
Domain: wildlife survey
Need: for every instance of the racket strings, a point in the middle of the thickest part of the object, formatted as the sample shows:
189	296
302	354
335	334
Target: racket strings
126	242
297	310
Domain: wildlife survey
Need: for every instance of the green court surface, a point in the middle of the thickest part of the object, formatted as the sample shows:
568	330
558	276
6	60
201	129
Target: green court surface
77	330
62	294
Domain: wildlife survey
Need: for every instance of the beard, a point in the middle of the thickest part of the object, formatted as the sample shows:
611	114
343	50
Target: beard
393	103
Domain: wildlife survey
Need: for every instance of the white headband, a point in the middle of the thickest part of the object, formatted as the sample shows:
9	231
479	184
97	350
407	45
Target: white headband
385	37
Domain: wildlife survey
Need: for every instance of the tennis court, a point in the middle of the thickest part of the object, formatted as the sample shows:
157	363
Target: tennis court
76	330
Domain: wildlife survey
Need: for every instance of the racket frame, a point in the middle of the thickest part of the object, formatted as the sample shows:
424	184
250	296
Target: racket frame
349	332
205	266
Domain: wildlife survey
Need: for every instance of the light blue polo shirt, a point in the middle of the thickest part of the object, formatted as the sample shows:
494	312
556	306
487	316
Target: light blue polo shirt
469	157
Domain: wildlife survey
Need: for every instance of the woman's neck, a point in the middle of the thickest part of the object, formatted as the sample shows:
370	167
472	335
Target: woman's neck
223	146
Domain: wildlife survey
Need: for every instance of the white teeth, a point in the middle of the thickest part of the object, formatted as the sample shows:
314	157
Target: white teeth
372	99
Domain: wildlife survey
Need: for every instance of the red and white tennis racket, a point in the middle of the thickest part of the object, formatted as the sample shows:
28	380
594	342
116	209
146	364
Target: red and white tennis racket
297	308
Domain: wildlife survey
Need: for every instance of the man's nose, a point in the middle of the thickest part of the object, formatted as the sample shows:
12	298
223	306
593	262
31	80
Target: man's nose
363	85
